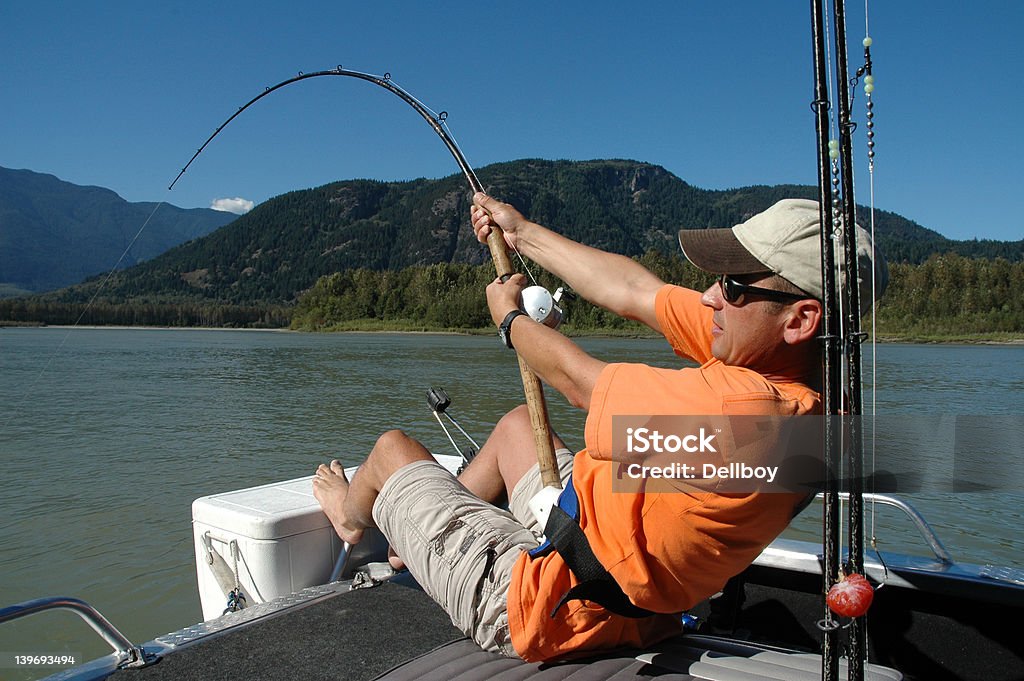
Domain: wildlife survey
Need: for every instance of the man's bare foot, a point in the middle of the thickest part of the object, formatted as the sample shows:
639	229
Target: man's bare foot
330	487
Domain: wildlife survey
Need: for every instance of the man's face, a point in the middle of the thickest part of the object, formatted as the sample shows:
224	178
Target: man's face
747	332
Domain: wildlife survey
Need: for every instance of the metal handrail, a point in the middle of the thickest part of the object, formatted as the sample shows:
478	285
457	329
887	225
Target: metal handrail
926	531
128	654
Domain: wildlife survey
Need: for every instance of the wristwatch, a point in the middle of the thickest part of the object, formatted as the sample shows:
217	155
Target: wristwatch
505	328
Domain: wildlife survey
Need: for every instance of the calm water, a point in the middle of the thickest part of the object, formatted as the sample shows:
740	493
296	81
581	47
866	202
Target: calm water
109	435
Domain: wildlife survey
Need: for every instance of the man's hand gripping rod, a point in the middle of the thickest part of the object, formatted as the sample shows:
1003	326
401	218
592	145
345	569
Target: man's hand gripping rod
542	503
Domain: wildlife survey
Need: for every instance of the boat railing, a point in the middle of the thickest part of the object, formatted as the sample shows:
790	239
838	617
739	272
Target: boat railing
925	530
128	654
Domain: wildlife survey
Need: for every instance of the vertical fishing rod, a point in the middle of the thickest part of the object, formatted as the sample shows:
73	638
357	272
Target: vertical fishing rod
841	336
853	337
831	357
532	388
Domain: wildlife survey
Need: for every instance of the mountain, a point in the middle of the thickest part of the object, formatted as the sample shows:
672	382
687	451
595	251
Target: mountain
280	249
54	233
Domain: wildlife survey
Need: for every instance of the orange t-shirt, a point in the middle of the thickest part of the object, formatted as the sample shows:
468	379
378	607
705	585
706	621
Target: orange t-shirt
667	550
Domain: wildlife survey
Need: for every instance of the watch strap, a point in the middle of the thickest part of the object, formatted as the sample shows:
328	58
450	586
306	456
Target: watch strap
505	328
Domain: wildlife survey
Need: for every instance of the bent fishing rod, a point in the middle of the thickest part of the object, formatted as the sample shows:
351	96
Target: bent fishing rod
532	389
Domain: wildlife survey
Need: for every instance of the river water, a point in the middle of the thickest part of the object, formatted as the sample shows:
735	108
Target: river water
108	435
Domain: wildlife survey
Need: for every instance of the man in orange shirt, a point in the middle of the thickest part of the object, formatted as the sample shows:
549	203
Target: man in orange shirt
753	332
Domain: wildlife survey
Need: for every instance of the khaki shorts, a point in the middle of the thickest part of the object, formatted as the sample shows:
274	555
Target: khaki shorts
460	548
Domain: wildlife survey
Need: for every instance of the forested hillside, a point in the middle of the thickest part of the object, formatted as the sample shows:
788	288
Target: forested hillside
404	253
283	246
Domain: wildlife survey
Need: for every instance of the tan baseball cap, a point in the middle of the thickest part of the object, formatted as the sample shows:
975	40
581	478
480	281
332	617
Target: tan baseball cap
786	240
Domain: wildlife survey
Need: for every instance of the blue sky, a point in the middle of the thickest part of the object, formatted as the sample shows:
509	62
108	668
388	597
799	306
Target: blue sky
121	94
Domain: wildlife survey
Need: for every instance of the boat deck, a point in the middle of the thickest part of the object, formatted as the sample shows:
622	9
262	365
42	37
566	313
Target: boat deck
396	633
355	637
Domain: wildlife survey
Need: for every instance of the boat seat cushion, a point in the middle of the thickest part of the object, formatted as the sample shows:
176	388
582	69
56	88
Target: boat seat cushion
685	658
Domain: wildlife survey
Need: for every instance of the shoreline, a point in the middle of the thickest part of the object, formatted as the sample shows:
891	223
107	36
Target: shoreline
117	327
596	333
956	340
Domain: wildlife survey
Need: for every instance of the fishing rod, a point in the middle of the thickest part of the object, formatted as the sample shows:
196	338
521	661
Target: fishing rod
851	323
532	388
842	400
436	121
831	351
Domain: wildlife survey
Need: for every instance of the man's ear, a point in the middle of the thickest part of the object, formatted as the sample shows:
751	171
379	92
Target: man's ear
802	321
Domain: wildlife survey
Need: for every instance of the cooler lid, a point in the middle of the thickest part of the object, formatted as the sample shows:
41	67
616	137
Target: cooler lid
273	511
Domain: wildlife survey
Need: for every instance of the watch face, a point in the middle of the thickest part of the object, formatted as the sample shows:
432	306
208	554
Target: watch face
505	328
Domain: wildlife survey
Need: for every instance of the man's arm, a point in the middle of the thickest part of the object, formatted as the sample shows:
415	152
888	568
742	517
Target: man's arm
558	361
612	281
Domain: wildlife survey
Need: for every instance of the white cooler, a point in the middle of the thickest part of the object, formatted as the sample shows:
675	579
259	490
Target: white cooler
273	539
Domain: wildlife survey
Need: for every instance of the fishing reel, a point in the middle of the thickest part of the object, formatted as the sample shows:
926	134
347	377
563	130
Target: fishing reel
543	307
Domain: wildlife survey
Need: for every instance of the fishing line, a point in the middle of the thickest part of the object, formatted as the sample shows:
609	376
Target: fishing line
874	294
437	121
114	268
869	87
525	266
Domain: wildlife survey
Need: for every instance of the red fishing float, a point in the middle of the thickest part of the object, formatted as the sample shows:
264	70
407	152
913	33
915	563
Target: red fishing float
850	596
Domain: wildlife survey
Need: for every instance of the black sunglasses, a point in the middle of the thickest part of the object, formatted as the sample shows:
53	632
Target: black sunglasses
733	291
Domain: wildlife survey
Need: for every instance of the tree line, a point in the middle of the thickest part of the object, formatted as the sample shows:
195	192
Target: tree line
449	297
27	311
950	295
947	296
